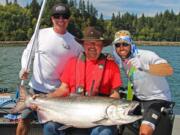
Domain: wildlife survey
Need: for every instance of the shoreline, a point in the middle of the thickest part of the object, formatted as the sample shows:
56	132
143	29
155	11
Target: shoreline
152	43
158	43
13	43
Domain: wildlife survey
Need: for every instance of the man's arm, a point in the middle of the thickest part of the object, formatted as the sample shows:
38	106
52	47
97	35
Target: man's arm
24	72
62	91
115	93
163	69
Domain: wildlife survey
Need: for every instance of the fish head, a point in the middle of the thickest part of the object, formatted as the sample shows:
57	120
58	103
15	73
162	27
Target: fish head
123	113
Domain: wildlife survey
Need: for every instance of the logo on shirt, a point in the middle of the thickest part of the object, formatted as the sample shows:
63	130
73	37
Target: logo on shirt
101	66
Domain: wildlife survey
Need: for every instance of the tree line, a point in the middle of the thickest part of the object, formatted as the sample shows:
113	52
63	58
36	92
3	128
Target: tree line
17	23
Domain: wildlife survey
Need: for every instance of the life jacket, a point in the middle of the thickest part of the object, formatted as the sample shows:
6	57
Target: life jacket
96	78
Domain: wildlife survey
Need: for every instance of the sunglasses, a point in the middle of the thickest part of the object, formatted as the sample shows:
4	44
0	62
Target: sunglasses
123	44
63	16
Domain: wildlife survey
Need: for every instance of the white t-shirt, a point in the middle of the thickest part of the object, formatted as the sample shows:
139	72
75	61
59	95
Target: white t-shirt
148	86
53	50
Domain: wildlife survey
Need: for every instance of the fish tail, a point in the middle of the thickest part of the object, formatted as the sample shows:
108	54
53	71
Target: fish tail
20	105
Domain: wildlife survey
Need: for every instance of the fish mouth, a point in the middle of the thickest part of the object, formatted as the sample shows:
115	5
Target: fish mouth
135	109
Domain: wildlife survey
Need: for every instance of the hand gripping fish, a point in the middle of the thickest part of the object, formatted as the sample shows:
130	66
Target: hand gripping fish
80	111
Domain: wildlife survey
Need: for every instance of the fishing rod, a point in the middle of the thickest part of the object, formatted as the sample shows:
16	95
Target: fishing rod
36	33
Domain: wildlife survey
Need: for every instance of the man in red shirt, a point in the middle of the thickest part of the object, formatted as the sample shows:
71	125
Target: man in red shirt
91	74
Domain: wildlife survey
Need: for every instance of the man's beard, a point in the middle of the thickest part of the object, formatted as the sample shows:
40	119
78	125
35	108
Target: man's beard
127	56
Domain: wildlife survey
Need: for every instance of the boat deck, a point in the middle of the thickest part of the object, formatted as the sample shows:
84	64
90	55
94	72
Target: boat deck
9	127
176	125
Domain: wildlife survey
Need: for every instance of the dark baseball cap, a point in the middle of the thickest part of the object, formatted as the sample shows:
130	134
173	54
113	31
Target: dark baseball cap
61	9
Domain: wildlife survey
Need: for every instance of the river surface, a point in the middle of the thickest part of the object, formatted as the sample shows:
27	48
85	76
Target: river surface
10	58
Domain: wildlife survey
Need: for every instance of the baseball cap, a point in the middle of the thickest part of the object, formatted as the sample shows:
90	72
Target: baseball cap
60	9
123	36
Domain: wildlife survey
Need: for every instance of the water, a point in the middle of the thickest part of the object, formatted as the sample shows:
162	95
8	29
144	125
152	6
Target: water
10	58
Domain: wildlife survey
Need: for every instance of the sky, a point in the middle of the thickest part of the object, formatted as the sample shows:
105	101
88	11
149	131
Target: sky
138	7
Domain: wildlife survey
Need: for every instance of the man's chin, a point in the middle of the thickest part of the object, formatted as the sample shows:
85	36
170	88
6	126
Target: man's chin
123	56
92	57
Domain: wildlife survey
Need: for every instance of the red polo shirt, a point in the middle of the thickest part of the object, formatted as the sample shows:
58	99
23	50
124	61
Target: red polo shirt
111	77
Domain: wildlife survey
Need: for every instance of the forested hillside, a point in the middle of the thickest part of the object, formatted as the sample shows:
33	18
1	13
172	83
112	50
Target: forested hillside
17	23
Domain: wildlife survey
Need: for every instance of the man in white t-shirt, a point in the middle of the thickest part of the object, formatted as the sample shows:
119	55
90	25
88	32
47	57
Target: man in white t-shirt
146	71
55	47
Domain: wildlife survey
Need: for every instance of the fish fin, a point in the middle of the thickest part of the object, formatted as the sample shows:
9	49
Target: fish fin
64	127
18	107
41	117
99	122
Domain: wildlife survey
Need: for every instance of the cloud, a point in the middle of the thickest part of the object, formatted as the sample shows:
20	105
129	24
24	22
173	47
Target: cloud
107	7
148	7
21	2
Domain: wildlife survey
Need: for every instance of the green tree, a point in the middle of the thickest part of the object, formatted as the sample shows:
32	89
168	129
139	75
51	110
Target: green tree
34	8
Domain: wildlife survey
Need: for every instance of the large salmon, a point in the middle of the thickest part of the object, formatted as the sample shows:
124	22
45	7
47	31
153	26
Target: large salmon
80	111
